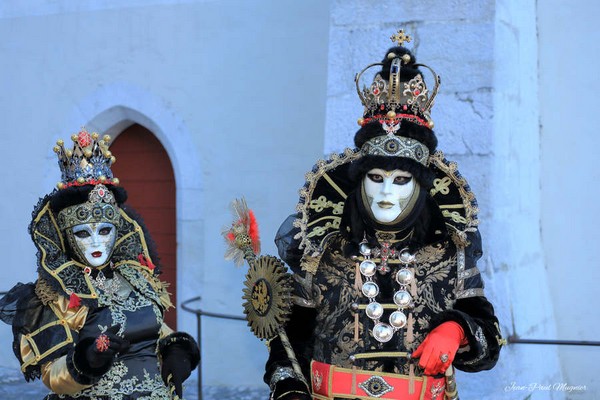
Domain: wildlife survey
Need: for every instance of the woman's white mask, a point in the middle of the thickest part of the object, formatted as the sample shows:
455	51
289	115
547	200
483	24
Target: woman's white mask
95	241
388	192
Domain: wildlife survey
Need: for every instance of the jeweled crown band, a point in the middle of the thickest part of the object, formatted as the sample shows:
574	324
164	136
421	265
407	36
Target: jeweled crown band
396	146
394	119
100	207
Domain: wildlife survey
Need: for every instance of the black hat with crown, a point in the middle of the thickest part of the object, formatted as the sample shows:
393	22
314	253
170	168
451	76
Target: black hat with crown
396	132
396	126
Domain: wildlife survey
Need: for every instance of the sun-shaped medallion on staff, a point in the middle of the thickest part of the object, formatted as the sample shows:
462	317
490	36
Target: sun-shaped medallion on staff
267	296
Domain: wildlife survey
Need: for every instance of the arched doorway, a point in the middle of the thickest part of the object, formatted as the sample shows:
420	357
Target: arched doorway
145	171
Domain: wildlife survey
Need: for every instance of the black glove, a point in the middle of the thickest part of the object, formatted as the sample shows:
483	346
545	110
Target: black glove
176	367
291	389
93	356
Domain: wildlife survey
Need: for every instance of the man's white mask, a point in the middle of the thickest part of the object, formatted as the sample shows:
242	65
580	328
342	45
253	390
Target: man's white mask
388	193
95	241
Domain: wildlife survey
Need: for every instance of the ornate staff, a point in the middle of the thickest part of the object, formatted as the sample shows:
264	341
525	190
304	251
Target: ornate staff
268	285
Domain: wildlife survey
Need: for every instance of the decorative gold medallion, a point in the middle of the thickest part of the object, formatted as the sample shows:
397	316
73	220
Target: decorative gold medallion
261	297
376	386
267	296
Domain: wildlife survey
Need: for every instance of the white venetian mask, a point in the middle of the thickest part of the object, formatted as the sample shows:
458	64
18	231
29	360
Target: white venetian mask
388	192
95	241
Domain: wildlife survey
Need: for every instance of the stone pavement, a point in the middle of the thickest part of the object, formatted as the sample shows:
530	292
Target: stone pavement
14	387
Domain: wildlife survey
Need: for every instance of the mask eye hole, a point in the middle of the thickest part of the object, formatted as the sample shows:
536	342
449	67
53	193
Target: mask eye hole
402	180
375	177
105	231
82	234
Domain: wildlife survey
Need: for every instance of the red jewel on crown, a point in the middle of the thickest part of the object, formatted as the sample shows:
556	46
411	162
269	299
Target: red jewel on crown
84	138
101	192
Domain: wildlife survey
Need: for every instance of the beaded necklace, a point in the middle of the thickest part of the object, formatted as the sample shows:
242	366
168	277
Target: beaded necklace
404	276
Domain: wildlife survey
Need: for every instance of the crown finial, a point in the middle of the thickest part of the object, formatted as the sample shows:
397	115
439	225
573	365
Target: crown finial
400	37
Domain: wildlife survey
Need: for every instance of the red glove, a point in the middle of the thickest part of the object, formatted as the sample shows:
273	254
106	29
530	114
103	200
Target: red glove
439	348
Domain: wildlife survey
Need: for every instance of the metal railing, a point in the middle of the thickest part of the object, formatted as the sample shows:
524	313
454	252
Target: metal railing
517	340
512	339
199	313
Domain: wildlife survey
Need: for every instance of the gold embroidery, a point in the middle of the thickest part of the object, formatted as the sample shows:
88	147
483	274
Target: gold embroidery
310	263
440	186
114	384
455	216
321	203
45	292
322	229
469	220
303	207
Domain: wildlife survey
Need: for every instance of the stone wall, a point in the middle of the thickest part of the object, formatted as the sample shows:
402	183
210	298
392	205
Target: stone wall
568	61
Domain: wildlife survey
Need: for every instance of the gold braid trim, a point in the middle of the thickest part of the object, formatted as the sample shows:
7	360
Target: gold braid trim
310	263
165	296
453	218
306	193
44	292
160	287
281	396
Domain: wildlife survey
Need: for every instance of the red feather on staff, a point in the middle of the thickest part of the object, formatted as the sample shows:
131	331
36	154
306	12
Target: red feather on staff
242	234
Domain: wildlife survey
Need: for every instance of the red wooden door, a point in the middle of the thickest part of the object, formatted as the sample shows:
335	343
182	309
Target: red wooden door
145	171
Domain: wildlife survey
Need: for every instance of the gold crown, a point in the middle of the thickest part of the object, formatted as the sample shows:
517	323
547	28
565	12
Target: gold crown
88	163
395	100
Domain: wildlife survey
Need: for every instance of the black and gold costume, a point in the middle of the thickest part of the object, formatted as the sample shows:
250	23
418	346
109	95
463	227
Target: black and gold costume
424	263
329	311
71	304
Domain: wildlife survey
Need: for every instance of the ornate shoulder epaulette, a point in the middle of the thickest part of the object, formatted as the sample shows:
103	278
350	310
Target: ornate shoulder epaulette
54	334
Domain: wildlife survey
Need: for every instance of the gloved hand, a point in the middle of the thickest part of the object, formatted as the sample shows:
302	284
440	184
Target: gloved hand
94	354
439	348
176	367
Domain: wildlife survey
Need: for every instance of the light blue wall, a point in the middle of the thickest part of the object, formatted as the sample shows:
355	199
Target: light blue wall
569	84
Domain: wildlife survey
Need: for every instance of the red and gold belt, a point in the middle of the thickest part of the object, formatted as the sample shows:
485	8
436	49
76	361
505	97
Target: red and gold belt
329	381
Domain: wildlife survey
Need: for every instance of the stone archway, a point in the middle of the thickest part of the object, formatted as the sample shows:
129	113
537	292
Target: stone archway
145	171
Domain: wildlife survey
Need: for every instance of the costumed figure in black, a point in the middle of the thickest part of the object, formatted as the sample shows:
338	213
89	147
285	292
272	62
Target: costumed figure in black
91	326
387	296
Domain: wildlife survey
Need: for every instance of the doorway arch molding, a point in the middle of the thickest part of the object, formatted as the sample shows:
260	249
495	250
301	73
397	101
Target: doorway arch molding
112	108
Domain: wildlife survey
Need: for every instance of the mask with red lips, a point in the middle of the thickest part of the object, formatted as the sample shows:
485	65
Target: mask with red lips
94	242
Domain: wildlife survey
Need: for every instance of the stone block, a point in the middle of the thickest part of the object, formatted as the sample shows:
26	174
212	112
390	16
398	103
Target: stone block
340	125
391	12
